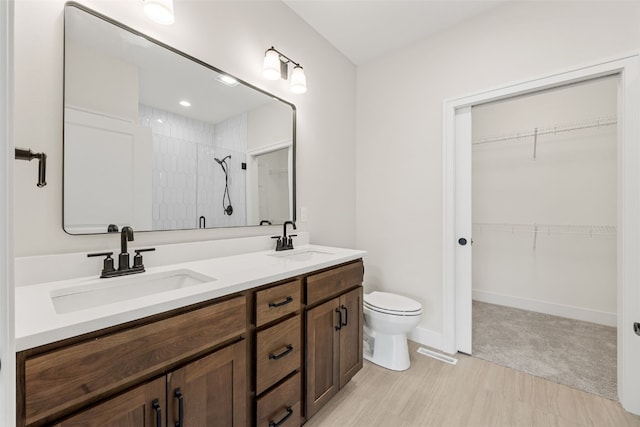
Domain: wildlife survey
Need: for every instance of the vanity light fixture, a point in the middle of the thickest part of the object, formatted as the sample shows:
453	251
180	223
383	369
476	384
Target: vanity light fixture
227	80
160	11
276	66
185	103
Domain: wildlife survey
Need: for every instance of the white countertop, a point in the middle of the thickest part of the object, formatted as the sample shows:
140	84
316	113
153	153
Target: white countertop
38	323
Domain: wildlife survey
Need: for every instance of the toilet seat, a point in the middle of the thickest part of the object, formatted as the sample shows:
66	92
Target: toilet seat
392	304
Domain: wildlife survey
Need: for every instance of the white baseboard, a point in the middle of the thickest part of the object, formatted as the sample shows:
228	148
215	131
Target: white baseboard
427	337
568	311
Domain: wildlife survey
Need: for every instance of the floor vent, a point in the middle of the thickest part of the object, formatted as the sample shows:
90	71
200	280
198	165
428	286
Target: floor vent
441	357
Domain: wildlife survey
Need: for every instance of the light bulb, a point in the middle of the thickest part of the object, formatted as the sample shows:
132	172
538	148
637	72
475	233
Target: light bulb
161	11
271	66
298	80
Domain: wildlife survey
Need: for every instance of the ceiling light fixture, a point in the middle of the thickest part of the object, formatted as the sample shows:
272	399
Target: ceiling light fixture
276	66
227	80
185	103
160	11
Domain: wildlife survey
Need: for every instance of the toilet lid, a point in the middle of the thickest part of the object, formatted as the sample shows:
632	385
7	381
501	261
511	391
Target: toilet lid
391	303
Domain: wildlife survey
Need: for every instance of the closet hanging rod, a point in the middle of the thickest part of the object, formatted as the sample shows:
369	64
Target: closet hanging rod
560	128
590	230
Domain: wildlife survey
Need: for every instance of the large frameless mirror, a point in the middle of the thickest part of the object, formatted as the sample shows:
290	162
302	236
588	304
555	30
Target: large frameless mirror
158	140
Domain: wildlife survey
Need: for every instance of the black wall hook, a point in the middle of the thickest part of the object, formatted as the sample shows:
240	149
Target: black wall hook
27	154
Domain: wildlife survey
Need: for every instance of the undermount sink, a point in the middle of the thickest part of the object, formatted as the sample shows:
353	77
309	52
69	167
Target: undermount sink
303	255
106	291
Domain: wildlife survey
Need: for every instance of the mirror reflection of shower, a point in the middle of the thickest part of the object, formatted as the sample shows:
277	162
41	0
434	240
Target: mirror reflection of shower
226	207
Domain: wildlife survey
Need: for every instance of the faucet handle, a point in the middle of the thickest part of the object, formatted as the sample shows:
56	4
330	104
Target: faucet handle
137	260
107	264
290	241
279	244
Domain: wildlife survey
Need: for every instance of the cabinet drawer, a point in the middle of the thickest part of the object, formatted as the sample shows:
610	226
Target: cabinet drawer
281	406
334	282
140	407
67	378
276	302
278	352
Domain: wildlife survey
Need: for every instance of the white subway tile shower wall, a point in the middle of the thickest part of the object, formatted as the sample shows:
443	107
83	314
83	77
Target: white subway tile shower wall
230	139
187	182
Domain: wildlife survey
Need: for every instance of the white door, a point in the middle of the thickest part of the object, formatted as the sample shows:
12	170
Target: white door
7	340
463	261
457	286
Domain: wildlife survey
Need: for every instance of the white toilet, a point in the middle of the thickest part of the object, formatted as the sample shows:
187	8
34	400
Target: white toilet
388	318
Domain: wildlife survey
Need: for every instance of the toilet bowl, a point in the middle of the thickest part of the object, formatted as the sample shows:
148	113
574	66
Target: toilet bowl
388	318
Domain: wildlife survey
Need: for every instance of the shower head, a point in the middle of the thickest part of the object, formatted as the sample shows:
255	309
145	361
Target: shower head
220	162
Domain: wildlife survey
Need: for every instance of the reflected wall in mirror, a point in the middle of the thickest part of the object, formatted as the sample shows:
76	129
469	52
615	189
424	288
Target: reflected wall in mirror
157	140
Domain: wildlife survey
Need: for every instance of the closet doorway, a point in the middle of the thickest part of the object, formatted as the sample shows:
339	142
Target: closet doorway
544	231
457	221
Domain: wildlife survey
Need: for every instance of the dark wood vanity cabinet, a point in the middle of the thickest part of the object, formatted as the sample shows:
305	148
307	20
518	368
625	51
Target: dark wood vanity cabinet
210	391
144	406
264	357
207	392
60	380
279	355
333	332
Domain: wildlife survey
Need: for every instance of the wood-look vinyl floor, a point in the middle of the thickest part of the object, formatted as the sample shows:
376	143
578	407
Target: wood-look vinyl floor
473	393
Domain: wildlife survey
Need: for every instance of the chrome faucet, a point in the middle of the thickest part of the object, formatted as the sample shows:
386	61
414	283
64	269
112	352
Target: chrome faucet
285	242
124	268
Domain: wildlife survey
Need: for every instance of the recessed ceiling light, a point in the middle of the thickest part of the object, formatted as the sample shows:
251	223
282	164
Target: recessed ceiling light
227	80
185	103
160	11
159	121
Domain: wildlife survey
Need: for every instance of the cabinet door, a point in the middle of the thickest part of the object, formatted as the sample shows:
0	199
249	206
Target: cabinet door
323	352
350	335
144	406
211	391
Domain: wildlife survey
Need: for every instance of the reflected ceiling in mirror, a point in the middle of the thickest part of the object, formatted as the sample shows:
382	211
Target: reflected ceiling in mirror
158	140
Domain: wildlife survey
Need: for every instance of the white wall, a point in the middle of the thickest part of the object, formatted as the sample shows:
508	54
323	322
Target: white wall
99	83
230	35
568	191
399	124
268	124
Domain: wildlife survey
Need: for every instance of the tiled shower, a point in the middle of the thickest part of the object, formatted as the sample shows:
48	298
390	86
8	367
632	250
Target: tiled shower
187	183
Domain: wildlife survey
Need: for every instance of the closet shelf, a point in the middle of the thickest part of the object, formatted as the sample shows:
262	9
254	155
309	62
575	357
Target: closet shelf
549	229
556	129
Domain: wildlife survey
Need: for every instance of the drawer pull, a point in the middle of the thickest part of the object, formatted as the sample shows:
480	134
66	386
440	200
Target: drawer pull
285	418
180	422
346	315
288	350
339	319
281	303
156	407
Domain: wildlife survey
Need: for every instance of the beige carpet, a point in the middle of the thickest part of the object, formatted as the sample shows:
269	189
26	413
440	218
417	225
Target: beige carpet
578	354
